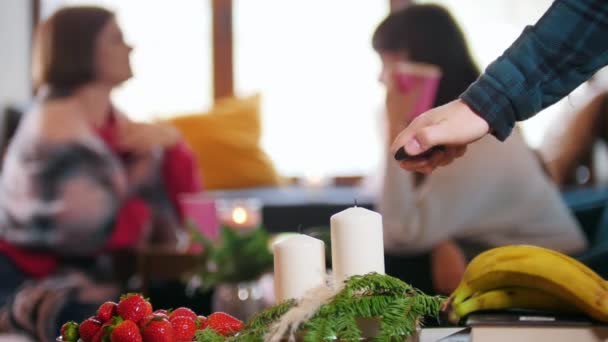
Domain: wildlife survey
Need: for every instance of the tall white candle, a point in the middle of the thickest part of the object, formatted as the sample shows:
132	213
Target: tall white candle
357	247
299	265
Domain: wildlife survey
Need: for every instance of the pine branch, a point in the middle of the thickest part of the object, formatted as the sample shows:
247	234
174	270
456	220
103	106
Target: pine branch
269	316
209	335
398	307
237	256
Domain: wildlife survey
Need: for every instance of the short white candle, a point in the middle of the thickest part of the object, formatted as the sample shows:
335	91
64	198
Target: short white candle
357	246
299	265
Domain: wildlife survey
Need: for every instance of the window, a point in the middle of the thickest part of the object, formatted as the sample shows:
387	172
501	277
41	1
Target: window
171	59
313	63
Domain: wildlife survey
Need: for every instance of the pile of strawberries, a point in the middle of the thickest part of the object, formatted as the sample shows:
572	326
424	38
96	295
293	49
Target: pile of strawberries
133	320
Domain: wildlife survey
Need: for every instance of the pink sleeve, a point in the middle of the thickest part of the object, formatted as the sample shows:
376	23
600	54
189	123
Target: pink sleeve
180	172
130	225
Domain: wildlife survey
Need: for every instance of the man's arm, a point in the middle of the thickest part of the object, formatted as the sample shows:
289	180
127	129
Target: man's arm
565	48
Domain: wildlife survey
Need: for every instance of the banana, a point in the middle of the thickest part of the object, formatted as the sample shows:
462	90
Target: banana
538	268
510	298
499	254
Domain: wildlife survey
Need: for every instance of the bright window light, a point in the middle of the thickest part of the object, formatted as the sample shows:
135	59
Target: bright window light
313	63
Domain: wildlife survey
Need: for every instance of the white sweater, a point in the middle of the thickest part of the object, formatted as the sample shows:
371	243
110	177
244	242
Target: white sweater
496	194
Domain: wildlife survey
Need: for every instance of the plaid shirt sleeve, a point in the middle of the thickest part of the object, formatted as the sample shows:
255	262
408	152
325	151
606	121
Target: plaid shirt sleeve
549	60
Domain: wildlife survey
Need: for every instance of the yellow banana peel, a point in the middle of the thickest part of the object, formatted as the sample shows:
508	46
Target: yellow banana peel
553	273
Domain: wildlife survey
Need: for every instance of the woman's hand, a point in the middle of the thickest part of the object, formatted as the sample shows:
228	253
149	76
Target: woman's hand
405	84
397	105
448	264
142	138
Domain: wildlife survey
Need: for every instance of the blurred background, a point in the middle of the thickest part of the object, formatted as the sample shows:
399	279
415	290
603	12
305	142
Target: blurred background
310	60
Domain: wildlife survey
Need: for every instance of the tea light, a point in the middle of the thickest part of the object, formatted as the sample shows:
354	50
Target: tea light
240	213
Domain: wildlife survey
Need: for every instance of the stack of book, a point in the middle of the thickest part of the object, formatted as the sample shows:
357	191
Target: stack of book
529	327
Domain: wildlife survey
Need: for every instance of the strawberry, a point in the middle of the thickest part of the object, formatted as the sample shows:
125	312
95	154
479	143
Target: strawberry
147	308
99	337
125	331
184	328
182	311
161	311
88	328
224	324
106	311
133	307
103	334
157	329
201	323
152	316
69	331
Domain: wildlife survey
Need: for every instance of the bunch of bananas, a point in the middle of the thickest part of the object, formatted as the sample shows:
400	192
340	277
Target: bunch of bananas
528	277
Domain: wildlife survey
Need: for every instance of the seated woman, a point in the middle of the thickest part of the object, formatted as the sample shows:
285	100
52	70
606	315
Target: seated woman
80	178
568	148
473	205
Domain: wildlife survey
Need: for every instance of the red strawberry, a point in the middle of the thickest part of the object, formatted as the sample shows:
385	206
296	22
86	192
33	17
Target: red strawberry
184	328
126	331
224	324
201	322
148	308
133	307
152	316
98	337
106	311
157	329
182	312
161	311
88	328
69	331
103	334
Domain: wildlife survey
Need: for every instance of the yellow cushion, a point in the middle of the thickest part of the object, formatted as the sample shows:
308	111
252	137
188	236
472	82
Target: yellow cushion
226	142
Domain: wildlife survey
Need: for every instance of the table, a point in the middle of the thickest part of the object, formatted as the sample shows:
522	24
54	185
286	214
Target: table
436	334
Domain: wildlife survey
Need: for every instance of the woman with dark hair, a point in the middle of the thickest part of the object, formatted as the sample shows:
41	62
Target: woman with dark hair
80	179
457	212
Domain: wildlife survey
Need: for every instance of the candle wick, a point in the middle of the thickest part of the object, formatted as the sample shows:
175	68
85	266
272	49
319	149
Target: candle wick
300	229
355	202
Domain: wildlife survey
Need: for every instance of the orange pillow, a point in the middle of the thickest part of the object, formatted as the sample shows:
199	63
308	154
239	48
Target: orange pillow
226	142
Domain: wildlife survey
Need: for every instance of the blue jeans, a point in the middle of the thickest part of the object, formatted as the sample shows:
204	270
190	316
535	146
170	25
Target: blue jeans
590	207
12	278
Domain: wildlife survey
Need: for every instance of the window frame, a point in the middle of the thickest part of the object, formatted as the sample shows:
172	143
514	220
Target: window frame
222	40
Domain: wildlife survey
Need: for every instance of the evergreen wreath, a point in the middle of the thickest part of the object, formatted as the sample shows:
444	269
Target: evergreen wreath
399	306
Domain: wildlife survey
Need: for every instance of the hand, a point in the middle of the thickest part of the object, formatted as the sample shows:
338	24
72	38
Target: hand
405	86
144	137
448	264
453	125
398	105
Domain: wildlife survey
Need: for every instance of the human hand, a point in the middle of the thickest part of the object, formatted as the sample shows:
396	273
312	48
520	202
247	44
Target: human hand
143	138
410	90
448	264
453	125
396	105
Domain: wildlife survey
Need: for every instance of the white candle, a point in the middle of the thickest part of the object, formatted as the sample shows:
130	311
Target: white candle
357	246
299	265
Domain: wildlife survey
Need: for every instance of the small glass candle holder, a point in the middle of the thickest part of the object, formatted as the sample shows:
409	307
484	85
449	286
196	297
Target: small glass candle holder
244	213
